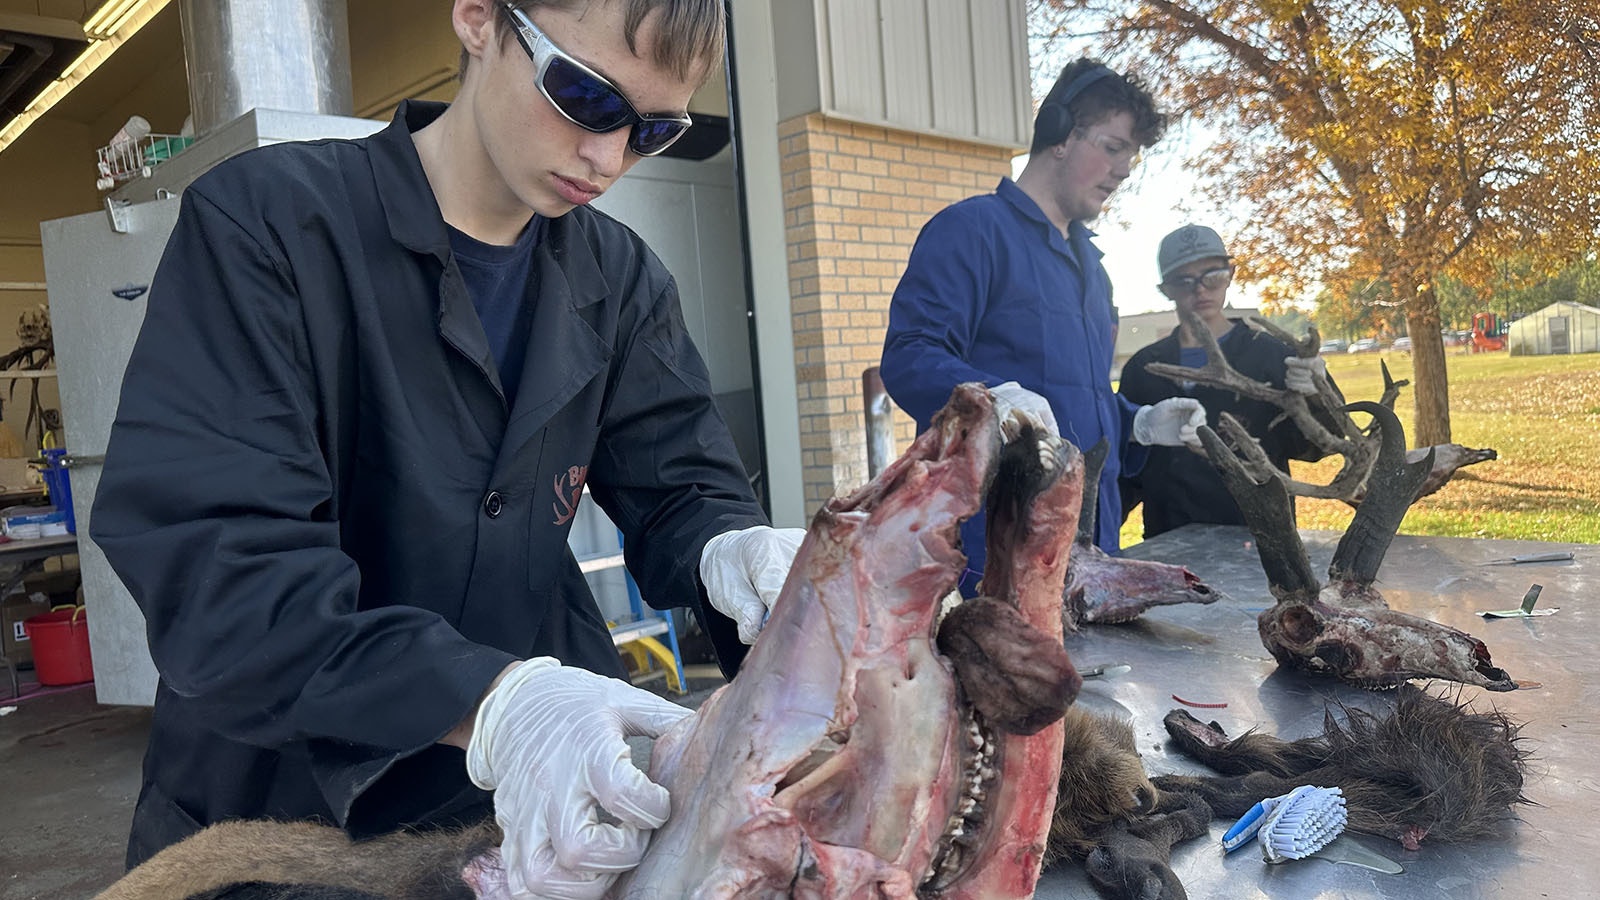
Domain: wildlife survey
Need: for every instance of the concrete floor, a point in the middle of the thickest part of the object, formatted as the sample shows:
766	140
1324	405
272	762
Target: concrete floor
69	776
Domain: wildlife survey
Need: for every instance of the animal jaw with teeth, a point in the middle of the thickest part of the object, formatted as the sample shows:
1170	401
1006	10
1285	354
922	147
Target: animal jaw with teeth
853	755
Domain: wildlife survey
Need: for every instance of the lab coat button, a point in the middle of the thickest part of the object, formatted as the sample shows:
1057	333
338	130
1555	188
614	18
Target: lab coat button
493	503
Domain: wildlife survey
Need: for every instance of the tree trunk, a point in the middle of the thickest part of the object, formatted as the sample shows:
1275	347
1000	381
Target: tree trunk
1431	390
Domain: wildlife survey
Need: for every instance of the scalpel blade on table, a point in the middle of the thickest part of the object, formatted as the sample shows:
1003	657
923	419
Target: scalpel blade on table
1528	600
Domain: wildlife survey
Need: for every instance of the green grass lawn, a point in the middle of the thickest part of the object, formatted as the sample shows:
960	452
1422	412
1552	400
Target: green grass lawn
1540	413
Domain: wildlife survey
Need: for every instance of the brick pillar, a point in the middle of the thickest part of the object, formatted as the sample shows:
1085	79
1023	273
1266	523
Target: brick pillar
855	197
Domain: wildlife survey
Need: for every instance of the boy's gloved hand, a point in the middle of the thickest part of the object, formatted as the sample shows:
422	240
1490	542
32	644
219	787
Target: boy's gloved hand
576	812
1174	422
1300	374
744	571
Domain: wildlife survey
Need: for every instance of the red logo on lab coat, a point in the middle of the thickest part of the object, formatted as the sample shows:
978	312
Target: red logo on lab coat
569	491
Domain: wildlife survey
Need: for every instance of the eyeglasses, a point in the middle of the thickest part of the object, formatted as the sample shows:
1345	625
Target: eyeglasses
1211	280
1123	152
587	99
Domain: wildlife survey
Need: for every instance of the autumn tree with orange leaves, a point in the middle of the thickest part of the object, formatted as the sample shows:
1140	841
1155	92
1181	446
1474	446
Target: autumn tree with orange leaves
1401	141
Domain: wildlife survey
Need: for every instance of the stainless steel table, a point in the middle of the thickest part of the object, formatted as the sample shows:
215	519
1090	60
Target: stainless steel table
1212	654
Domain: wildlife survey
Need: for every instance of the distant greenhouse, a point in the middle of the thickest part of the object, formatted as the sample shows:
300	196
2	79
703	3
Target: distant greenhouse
1563	327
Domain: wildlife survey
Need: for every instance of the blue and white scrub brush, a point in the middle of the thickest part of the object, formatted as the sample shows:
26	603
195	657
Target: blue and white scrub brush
1293	826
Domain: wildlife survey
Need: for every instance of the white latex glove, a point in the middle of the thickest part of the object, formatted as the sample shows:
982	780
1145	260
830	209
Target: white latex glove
1174	422
1013	403
548	740
1300	374
744	571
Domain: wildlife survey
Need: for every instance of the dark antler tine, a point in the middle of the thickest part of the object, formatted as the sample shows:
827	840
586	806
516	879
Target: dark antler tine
1093	462
1269	514
1391	388
1391	487
1305	347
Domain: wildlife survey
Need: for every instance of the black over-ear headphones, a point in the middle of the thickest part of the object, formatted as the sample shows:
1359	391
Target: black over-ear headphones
1054	122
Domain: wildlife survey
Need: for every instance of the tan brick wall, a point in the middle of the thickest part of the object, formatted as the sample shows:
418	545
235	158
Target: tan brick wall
855	197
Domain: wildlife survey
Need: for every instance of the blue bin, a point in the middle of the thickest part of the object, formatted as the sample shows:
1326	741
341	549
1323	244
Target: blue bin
58	481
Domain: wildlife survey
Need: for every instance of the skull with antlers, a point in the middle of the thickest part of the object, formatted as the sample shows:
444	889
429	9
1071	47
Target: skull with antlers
1343	628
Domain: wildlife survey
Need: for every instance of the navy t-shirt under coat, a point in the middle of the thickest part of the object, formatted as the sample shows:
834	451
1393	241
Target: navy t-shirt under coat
497	281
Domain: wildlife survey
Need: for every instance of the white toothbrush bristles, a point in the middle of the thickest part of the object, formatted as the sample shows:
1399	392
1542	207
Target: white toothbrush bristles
1301	822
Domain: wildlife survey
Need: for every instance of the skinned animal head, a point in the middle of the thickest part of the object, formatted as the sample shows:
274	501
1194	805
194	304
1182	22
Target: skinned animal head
851	756
1111	590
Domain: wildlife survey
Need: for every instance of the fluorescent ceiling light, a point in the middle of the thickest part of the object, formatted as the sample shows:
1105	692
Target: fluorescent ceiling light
125	18
108	12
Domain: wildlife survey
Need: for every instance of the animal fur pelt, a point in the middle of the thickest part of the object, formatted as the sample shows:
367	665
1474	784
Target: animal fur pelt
1112	819
256	890
1134	858
1102	781
262	860
1432	768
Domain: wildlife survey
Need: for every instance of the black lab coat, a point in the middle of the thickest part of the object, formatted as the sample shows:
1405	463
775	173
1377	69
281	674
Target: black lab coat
336	530
1179	486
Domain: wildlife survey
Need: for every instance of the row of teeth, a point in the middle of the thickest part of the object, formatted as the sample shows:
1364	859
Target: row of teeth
967	821
1047	456
965	824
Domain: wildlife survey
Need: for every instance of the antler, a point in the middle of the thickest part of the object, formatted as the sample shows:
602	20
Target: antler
1356	447
1094	460
1346	629
1393	484
1269	514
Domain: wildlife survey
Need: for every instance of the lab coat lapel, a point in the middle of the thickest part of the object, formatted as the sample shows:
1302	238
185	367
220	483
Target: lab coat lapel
564	352
461	328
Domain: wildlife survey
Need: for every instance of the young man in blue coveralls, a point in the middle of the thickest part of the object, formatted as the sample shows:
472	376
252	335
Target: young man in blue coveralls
1007	289
375	377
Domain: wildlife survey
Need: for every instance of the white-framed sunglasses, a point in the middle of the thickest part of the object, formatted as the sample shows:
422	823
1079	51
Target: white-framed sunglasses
1211	280
586	98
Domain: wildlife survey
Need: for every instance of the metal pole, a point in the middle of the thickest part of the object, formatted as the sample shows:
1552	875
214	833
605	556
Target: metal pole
291	55
880	426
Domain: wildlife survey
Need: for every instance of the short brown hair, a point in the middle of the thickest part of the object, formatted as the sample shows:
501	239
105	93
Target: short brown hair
1098	101
691	31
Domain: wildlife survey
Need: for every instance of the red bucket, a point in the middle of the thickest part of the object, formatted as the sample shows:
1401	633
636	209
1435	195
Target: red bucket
60	641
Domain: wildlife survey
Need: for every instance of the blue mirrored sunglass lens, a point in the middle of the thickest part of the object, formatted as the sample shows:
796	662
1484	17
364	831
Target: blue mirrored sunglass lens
585	99
652	136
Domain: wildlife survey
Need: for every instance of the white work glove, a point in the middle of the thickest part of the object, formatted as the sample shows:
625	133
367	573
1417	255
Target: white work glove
576	811
744	571
1300	374
1014	403
1174	422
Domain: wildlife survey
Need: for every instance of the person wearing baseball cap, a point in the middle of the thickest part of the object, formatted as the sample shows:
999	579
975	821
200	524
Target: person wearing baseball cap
1178	486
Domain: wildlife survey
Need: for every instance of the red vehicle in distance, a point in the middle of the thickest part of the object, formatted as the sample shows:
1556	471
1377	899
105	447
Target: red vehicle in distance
1488	332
